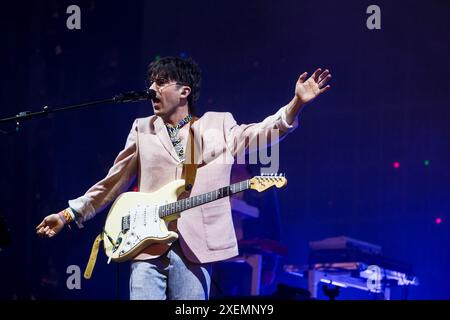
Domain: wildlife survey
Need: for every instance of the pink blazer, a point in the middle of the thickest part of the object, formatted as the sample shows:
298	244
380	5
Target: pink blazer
206	232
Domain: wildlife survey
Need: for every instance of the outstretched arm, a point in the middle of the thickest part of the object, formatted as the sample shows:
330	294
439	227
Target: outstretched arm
307	90
242	137
101	194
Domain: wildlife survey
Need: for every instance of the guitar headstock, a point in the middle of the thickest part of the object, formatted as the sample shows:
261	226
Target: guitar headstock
264	182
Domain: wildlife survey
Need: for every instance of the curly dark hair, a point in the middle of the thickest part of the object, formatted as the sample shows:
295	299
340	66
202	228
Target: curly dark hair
184	71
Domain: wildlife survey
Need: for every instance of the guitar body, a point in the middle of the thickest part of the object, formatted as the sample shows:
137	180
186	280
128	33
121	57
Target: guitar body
133	223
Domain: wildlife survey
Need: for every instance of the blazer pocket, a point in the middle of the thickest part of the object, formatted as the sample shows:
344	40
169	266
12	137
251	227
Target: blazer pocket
218	226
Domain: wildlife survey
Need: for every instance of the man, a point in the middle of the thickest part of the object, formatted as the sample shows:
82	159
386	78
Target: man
154	152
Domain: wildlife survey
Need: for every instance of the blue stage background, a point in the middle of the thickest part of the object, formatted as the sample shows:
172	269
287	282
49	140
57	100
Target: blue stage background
388	104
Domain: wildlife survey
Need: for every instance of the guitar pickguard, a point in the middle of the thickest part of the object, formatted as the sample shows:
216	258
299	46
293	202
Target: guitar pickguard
144	224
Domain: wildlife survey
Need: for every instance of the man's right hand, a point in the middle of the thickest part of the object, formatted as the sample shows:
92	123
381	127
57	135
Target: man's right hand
50	226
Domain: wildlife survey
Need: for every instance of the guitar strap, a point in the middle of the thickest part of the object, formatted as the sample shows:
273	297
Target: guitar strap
191	162
93	256
188	174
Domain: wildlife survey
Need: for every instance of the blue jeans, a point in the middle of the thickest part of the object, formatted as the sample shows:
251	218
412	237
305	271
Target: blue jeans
170	276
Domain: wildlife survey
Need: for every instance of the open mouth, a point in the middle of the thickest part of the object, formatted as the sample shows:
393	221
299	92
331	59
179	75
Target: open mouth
156	102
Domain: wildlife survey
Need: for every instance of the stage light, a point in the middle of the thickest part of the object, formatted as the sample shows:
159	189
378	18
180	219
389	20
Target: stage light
426	163
396	164
438	220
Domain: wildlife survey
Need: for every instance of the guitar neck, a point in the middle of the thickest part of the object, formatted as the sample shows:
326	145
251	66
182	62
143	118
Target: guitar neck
188	203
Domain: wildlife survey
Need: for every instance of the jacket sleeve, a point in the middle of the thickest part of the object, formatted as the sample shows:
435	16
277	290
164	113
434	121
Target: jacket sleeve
119	178
250	137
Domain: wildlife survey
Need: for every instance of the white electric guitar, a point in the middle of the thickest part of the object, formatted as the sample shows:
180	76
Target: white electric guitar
139	221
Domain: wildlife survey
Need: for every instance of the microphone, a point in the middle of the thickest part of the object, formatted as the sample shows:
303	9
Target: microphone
134	96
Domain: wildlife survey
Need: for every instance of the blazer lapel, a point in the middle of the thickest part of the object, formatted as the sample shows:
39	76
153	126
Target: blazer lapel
163	135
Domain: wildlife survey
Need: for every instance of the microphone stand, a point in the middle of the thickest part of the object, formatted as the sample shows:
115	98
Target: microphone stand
132	96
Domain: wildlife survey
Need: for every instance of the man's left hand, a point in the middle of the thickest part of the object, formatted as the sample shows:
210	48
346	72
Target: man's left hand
307	90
